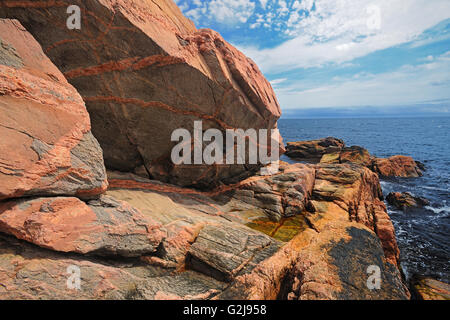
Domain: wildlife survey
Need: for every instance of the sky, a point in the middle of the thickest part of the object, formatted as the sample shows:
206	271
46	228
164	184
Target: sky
341	53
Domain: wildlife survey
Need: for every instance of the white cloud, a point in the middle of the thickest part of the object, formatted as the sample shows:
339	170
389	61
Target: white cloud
263	3
408	85
276	82
226	12
339	31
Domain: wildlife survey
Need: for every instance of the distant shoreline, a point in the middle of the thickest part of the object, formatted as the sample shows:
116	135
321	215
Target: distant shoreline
365	117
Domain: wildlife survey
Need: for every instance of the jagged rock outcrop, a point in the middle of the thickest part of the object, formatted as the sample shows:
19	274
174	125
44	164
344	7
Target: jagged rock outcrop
46	145
102	227
313	150
144	70
355	192
406	200
332	150
398	166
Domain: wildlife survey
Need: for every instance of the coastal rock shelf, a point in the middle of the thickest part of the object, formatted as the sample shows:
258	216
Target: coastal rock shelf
146	229
208	242
333	150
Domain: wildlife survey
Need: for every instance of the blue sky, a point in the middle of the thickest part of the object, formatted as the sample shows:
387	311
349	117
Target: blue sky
340	53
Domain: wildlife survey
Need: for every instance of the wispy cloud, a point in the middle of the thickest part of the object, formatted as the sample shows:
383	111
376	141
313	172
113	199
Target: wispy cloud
409	84
338	52
342	30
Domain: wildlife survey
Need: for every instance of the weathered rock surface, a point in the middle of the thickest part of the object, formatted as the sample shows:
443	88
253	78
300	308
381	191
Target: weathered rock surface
397	166
220	245
46	146
313	149
424	288
144	70
356	154
29	272
355	191
406	200
223	252
347	231
333	151
103	227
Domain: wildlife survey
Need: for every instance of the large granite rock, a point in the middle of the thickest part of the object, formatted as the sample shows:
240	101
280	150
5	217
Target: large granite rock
313	150
326	251
103	227
144	70
333	151
354	191
46	146
398	166
406	200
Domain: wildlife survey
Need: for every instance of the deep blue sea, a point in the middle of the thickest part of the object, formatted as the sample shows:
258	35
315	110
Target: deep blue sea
423	235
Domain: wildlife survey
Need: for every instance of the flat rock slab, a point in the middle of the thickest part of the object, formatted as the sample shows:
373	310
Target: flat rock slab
224	252
46	146
313	150
426	288
31	273
103	227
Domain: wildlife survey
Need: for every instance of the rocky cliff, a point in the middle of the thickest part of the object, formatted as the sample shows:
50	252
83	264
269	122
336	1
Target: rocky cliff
144	70
309	231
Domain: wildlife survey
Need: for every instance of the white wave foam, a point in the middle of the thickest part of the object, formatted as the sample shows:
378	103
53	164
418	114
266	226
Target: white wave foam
434	188
445	209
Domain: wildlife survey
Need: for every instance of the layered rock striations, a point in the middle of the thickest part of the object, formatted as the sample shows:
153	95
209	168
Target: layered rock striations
313	149
425	288
144	70
46	145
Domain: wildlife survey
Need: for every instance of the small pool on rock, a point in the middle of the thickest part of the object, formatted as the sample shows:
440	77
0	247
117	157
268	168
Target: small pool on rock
283	230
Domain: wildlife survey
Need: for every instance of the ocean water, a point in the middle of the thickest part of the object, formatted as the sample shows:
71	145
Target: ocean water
423	234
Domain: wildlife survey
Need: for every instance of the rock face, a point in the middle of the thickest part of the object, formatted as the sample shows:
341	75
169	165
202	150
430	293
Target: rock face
313	149
333	150
406	200
28	272
397	166
425	288
103	227
144	70
220	245
46	147
355	191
